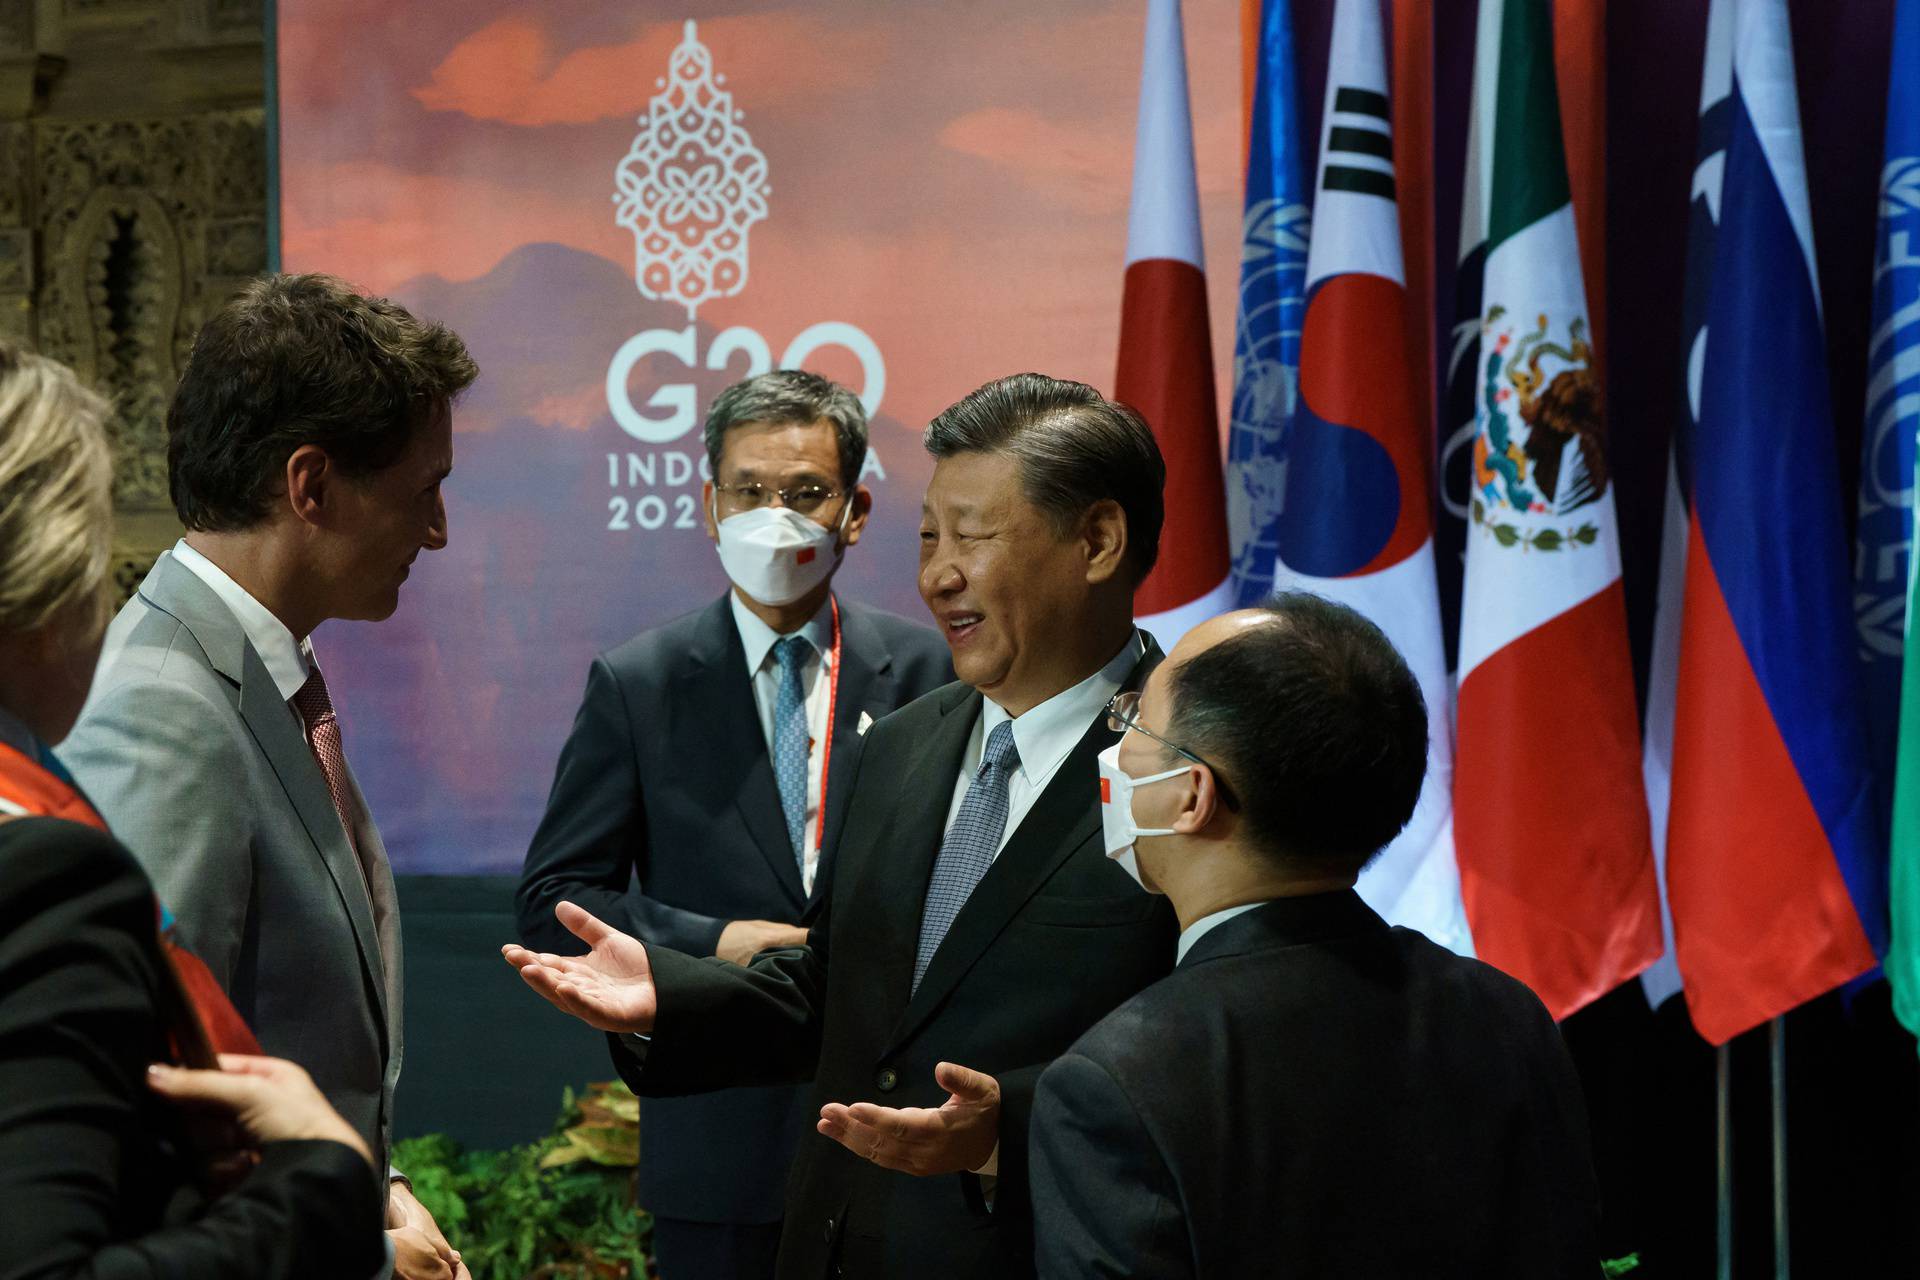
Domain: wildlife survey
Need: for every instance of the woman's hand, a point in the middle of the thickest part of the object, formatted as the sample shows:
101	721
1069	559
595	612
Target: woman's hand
271	1099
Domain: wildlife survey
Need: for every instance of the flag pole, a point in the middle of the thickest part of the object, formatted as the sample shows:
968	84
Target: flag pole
1777	1055
1723	1160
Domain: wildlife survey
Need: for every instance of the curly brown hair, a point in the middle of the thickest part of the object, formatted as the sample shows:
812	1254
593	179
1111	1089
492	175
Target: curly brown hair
295	360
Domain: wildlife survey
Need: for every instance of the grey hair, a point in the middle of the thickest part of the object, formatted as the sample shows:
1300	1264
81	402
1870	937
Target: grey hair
791	396
1074	448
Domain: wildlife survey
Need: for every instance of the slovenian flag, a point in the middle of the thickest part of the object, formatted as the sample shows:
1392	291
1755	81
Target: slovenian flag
1356	523
1893	421
1166	348
1661	980
1272	303
1550	819
1773	839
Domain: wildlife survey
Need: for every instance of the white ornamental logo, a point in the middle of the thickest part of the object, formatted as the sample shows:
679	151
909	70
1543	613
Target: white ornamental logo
691	186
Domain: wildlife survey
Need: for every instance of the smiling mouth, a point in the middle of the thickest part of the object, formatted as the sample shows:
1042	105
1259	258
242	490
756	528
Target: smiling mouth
959	626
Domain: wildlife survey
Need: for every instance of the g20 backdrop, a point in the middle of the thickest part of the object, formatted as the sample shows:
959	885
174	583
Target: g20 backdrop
909	198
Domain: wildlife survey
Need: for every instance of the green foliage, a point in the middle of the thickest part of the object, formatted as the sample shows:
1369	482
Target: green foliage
557	1209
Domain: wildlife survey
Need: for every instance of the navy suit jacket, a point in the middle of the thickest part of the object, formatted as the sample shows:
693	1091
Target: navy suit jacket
666	780
1314	1093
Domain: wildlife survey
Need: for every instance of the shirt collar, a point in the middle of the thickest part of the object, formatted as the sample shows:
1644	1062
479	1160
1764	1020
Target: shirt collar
1207	924
758	639
287	660
1046	733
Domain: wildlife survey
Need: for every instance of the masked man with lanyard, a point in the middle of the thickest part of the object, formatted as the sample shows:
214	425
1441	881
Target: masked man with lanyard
711	761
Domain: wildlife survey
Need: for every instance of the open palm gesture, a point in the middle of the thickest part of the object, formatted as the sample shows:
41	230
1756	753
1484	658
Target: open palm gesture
611	987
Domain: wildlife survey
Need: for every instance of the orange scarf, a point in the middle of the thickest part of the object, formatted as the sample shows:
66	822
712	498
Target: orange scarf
204	1021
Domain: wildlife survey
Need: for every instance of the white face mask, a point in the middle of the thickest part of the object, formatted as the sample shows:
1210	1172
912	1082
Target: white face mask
1116	810
776	555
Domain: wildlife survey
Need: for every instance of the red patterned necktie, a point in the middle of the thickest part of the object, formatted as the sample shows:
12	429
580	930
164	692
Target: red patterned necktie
323	735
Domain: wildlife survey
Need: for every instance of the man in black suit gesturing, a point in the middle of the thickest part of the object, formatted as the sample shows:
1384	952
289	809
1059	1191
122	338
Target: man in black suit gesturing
975	928
703	763
1310	1092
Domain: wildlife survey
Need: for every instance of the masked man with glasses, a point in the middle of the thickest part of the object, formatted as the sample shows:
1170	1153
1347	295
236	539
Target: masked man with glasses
712	762
1310	1092
975	928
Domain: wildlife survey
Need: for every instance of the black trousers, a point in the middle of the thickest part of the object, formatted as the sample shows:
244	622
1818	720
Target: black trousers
687	1250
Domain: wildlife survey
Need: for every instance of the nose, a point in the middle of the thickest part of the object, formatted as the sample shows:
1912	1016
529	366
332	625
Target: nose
437	531
939	575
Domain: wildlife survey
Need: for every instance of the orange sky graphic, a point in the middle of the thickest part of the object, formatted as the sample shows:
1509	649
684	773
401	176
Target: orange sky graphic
956	188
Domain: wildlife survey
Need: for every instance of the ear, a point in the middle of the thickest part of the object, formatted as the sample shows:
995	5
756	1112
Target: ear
862	508
1103	532
1201	804
311	480
706	510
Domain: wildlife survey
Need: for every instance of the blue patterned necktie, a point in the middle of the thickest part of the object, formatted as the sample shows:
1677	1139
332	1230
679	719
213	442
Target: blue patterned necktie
971	843
790	743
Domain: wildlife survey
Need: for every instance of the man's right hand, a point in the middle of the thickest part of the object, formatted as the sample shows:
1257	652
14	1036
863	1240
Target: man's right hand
611	987
742	940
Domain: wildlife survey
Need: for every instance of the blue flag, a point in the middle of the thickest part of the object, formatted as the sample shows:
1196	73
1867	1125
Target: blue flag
1273	300
1885	589
1893	410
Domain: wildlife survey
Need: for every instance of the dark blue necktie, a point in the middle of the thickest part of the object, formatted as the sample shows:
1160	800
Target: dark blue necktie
790	743
970	846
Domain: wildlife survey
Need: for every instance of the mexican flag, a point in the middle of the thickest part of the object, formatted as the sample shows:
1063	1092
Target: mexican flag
1550	817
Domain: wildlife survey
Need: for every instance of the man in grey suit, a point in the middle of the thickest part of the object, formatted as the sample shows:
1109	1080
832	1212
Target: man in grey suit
306	446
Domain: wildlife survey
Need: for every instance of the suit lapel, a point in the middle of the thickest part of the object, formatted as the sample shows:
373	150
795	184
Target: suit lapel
386	912
903	851
720	693
277	730
1064	818
866	688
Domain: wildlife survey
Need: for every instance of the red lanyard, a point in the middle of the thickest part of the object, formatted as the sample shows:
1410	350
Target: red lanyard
826	751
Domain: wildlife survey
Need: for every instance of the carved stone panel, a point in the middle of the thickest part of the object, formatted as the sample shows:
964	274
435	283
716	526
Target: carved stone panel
132	202
147	225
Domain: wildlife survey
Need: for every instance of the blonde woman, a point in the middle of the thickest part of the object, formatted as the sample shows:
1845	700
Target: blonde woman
114	1161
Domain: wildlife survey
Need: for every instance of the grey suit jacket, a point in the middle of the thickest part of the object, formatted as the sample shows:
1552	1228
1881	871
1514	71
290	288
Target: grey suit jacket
203	771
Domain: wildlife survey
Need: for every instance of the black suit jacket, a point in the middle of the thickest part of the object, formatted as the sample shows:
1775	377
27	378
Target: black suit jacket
1054	936
1313	1093
95	1179
666	778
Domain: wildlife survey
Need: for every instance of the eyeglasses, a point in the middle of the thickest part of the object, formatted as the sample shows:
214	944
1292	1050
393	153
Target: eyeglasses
806	499
1123	711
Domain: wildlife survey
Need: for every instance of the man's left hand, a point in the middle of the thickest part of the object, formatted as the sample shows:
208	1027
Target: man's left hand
958	1136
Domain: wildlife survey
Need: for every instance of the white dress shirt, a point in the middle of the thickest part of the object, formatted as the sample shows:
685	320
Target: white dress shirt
763	669
287	660
1207	924
1045	736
